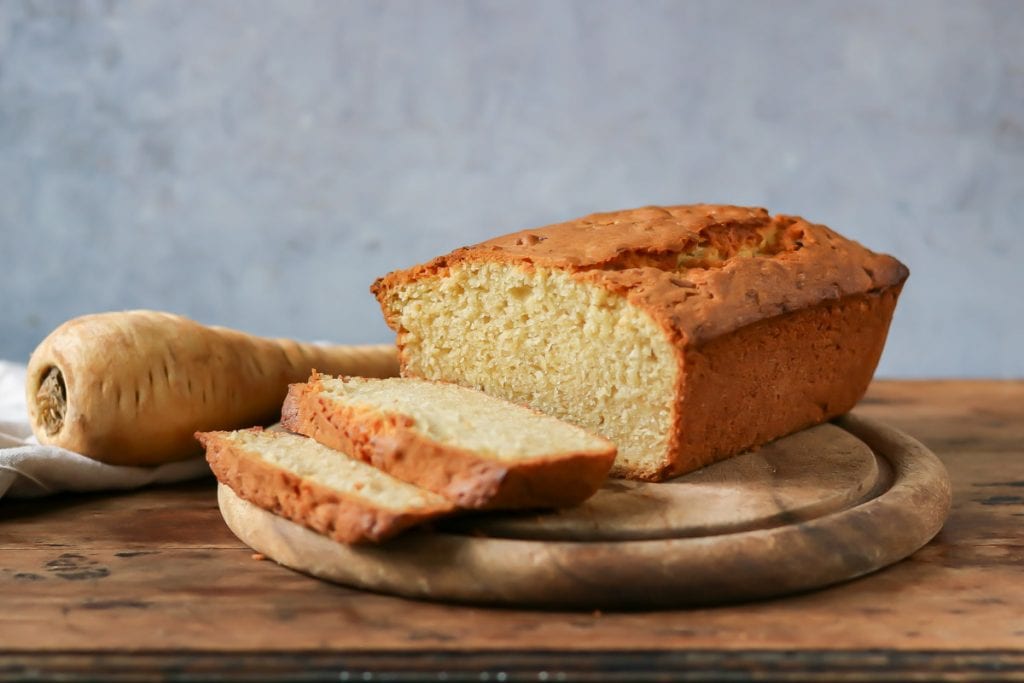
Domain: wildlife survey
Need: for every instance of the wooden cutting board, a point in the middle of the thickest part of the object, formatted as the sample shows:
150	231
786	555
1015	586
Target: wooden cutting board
821	506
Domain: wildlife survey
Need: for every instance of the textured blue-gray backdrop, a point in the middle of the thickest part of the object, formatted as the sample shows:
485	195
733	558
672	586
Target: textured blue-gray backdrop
257	164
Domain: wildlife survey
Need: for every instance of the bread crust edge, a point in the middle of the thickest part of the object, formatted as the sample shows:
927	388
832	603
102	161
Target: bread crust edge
392	443
343	518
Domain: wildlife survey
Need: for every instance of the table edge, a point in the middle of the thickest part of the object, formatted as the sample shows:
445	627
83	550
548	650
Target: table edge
500	665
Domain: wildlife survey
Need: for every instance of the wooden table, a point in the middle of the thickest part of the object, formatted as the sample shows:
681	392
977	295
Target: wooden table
152	584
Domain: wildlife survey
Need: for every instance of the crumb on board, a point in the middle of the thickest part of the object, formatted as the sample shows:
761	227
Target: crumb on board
259	556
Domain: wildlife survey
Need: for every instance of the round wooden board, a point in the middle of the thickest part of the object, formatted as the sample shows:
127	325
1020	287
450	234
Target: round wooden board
822	506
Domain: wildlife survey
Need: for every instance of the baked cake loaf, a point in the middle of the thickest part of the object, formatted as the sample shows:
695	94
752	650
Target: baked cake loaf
476	450
320	488
685	334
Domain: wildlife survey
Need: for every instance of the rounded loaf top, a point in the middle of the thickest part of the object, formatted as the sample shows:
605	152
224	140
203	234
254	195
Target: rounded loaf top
701	269
602	239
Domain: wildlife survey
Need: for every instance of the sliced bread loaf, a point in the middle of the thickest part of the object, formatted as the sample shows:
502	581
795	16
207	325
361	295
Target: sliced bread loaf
320	488
685	334
476	450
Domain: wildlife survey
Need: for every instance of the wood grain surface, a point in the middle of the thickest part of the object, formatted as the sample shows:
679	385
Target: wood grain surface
154	583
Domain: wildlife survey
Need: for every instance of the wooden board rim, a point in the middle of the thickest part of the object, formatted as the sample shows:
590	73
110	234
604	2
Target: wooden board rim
633	574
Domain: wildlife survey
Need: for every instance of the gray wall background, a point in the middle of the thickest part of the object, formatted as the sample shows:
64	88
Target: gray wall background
258	164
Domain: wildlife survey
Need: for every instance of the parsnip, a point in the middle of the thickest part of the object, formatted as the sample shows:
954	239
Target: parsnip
131	388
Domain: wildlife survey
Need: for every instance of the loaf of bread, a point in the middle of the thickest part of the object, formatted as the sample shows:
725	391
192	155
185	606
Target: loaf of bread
475	450
322	489
684	334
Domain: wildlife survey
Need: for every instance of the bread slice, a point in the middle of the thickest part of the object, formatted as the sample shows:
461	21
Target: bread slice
476	450
320	488
685	334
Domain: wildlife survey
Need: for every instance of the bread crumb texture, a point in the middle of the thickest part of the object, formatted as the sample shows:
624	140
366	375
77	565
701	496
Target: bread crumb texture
540	337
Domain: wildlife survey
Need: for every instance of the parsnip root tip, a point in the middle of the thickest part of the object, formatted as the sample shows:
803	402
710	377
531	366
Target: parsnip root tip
52	400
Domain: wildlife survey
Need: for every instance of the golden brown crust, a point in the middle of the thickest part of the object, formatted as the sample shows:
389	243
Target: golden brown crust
391	442
775	377
344	518
747	330
636	253
139	383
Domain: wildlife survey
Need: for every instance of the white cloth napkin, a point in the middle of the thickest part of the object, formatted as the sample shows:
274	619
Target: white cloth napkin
28	469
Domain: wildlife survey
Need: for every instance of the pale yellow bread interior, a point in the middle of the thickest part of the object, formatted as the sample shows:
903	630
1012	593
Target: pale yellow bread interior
465	418
540	337
334	470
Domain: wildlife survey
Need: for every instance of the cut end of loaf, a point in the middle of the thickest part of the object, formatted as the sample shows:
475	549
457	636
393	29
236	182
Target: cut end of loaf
541	337
51	401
